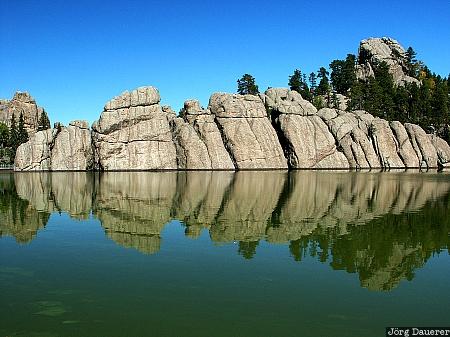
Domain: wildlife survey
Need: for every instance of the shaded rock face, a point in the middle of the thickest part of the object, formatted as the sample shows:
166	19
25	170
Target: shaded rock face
306	140
133	133
66	148
246	131
23	103
375	50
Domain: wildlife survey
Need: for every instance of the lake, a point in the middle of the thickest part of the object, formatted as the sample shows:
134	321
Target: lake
269	253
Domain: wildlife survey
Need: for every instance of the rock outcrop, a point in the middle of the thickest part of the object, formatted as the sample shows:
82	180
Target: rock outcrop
60	149
422	145
373	51
275	130
442	151
246	131
351	131
21	103
133	133
386	145
306	139
205	126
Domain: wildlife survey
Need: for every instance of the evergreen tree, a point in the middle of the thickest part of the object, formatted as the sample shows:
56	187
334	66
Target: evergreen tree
4	135
324	84
297	82
411	62
247	85
313	81
13	134
22	132
44	122
343	74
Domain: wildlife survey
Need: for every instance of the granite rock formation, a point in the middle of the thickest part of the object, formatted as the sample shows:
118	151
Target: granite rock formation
375	50
305	137
247	132
23	103
275	130
60	149
133	133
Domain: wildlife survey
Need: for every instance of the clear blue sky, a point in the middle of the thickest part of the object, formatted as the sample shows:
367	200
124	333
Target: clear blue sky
73	56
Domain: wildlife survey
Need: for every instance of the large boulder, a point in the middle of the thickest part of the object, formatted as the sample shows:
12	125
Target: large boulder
192	152
205	127
442	150
386	145
133	133
35	155
306	140
59	149
405	148
246	131
21	103
373	51
425	151
351	131
72	148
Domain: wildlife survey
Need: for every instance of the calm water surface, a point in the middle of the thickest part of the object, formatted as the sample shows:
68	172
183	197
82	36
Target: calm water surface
223	254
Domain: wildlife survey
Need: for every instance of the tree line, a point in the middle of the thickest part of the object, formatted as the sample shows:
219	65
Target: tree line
16	134
426	104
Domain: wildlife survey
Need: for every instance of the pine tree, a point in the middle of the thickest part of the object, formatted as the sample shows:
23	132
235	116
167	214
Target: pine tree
411	62
343	74
312	81
295	81
22	132
247	85
324	84
44	122
4	135
13	135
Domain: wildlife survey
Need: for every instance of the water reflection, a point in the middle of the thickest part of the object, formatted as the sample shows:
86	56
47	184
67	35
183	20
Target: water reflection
382	226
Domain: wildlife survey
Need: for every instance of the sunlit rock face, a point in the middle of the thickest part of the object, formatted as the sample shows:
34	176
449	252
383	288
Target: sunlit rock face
21	103
423	146
382	226
133	133
60	149
306	140
202	122
247	133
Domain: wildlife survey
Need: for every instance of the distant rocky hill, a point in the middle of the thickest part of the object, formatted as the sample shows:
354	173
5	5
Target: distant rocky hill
373	51
23	103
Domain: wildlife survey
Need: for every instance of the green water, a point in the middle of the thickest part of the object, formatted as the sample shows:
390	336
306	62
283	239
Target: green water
305	253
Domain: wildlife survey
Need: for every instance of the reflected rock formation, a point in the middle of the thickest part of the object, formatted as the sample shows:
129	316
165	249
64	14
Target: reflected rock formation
381	225
19	218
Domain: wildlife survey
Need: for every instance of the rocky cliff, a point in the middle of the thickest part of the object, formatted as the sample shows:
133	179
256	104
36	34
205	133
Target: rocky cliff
275	130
